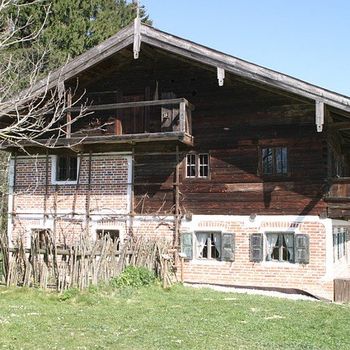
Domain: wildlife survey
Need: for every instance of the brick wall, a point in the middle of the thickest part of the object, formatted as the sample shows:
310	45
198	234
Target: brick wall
311	277
32	198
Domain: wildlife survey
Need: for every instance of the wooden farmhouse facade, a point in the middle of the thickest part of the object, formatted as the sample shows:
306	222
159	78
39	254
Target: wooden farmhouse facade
243	168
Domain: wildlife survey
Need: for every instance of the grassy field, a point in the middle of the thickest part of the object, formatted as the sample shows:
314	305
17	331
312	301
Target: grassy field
179	318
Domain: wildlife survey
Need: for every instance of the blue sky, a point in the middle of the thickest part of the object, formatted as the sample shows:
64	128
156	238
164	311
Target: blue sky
307	39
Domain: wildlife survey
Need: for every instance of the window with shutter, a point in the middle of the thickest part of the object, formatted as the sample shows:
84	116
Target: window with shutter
228	247
256	247
187	245
302	249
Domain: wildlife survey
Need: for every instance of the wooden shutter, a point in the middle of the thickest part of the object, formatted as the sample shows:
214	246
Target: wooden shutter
256	247
302	249
187	245
228	247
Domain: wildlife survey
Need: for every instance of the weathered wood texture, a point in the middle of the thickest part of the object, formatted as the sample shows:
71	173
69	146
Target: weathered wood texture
231	123
342	290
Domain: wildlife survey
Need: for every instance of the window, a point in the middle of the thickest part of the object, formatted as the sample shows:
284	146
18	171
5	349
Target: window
104	233
208	245
197	165
40	238
66	168
339	243
280	247
275	161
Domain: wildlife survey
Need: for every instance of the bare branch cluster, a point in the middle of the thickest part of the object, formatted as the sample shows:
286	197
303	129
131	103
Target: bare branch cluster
33	114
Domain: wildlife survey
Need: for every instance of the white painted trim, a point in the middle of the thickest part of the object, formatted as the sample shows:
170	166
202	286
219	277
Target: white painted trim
141	218
96	226
329	249
54	172
48	225
11	182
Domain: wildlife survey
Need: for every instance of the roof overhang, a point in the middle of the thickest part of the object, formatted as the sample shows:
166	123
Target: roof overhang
136	34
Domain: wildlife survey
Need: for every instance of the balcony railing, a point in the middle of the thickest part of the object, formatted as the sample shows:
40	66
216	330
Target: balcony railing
171	116
338	198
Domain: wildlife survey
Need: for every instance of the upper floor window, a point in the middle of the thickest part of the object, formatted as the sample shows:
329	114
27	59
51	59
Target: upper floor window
275	161
197	165
65	169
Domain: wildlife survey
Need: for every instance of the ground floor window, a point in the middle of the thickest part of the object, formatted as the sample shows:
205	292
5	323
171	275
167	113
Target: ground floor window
41	238
280	246
208	245
339	243
114	235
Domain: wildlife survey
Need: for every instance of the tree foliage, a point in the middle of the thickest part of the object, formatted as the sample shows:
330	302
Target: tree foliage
71	27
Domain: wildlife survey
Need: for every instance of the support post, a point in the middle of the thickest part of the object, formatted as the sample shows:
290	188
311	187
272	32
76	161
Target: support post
177	202
182	116
69	115
46	185
132	192
87	204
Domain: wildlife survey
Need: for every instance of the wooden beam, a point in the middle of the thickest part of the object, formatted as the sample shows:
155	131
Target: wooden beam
319	117
242	68
221	76
111	106
340	126
137	37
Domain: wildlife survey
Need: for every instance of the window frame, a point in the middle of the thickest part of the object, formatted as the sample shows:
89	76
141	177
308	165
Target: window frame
195	245
103	229
197	166
274	174
280	247
42	233
339	243
54	170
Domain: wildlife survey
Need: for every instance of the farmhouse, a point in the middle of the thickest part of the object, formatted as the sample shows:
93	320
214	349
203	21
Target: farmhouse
242	168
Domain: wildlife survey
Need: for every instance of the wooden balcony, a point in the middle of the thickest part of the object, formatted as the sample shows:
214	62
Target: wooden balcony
338	198
139	121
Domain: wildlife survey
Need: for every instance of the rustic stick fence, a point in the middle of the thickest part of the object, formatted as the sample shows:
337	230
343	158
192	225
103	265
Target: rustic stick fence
84	264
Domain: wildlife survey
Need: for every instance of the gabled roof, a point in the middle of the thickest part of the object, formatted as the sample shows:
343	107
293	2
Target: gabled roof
195	52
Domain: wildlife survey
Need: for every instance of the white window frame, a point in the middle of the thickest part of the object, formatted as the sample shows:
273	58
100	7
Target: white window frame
54	180
196	244
265	247
339	243
197	165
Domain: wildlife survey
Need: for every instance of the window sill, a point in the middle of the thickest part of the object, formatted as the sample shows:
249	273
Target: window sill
203	261
64	182
280	264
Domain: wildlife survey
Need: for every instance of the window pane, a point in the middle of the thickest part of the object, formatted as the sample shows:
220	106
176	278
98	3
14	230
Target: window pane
267	160
281	160
73	168
62	168
280	246
191	165
203	165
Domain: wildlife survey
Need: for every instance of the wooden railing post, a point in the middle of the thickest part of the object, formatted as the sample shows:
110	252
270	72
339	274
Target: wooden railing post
182	115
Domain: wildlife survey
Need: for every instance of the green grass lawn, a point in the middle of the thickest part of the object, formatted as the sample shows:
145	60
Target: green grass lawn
179	318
